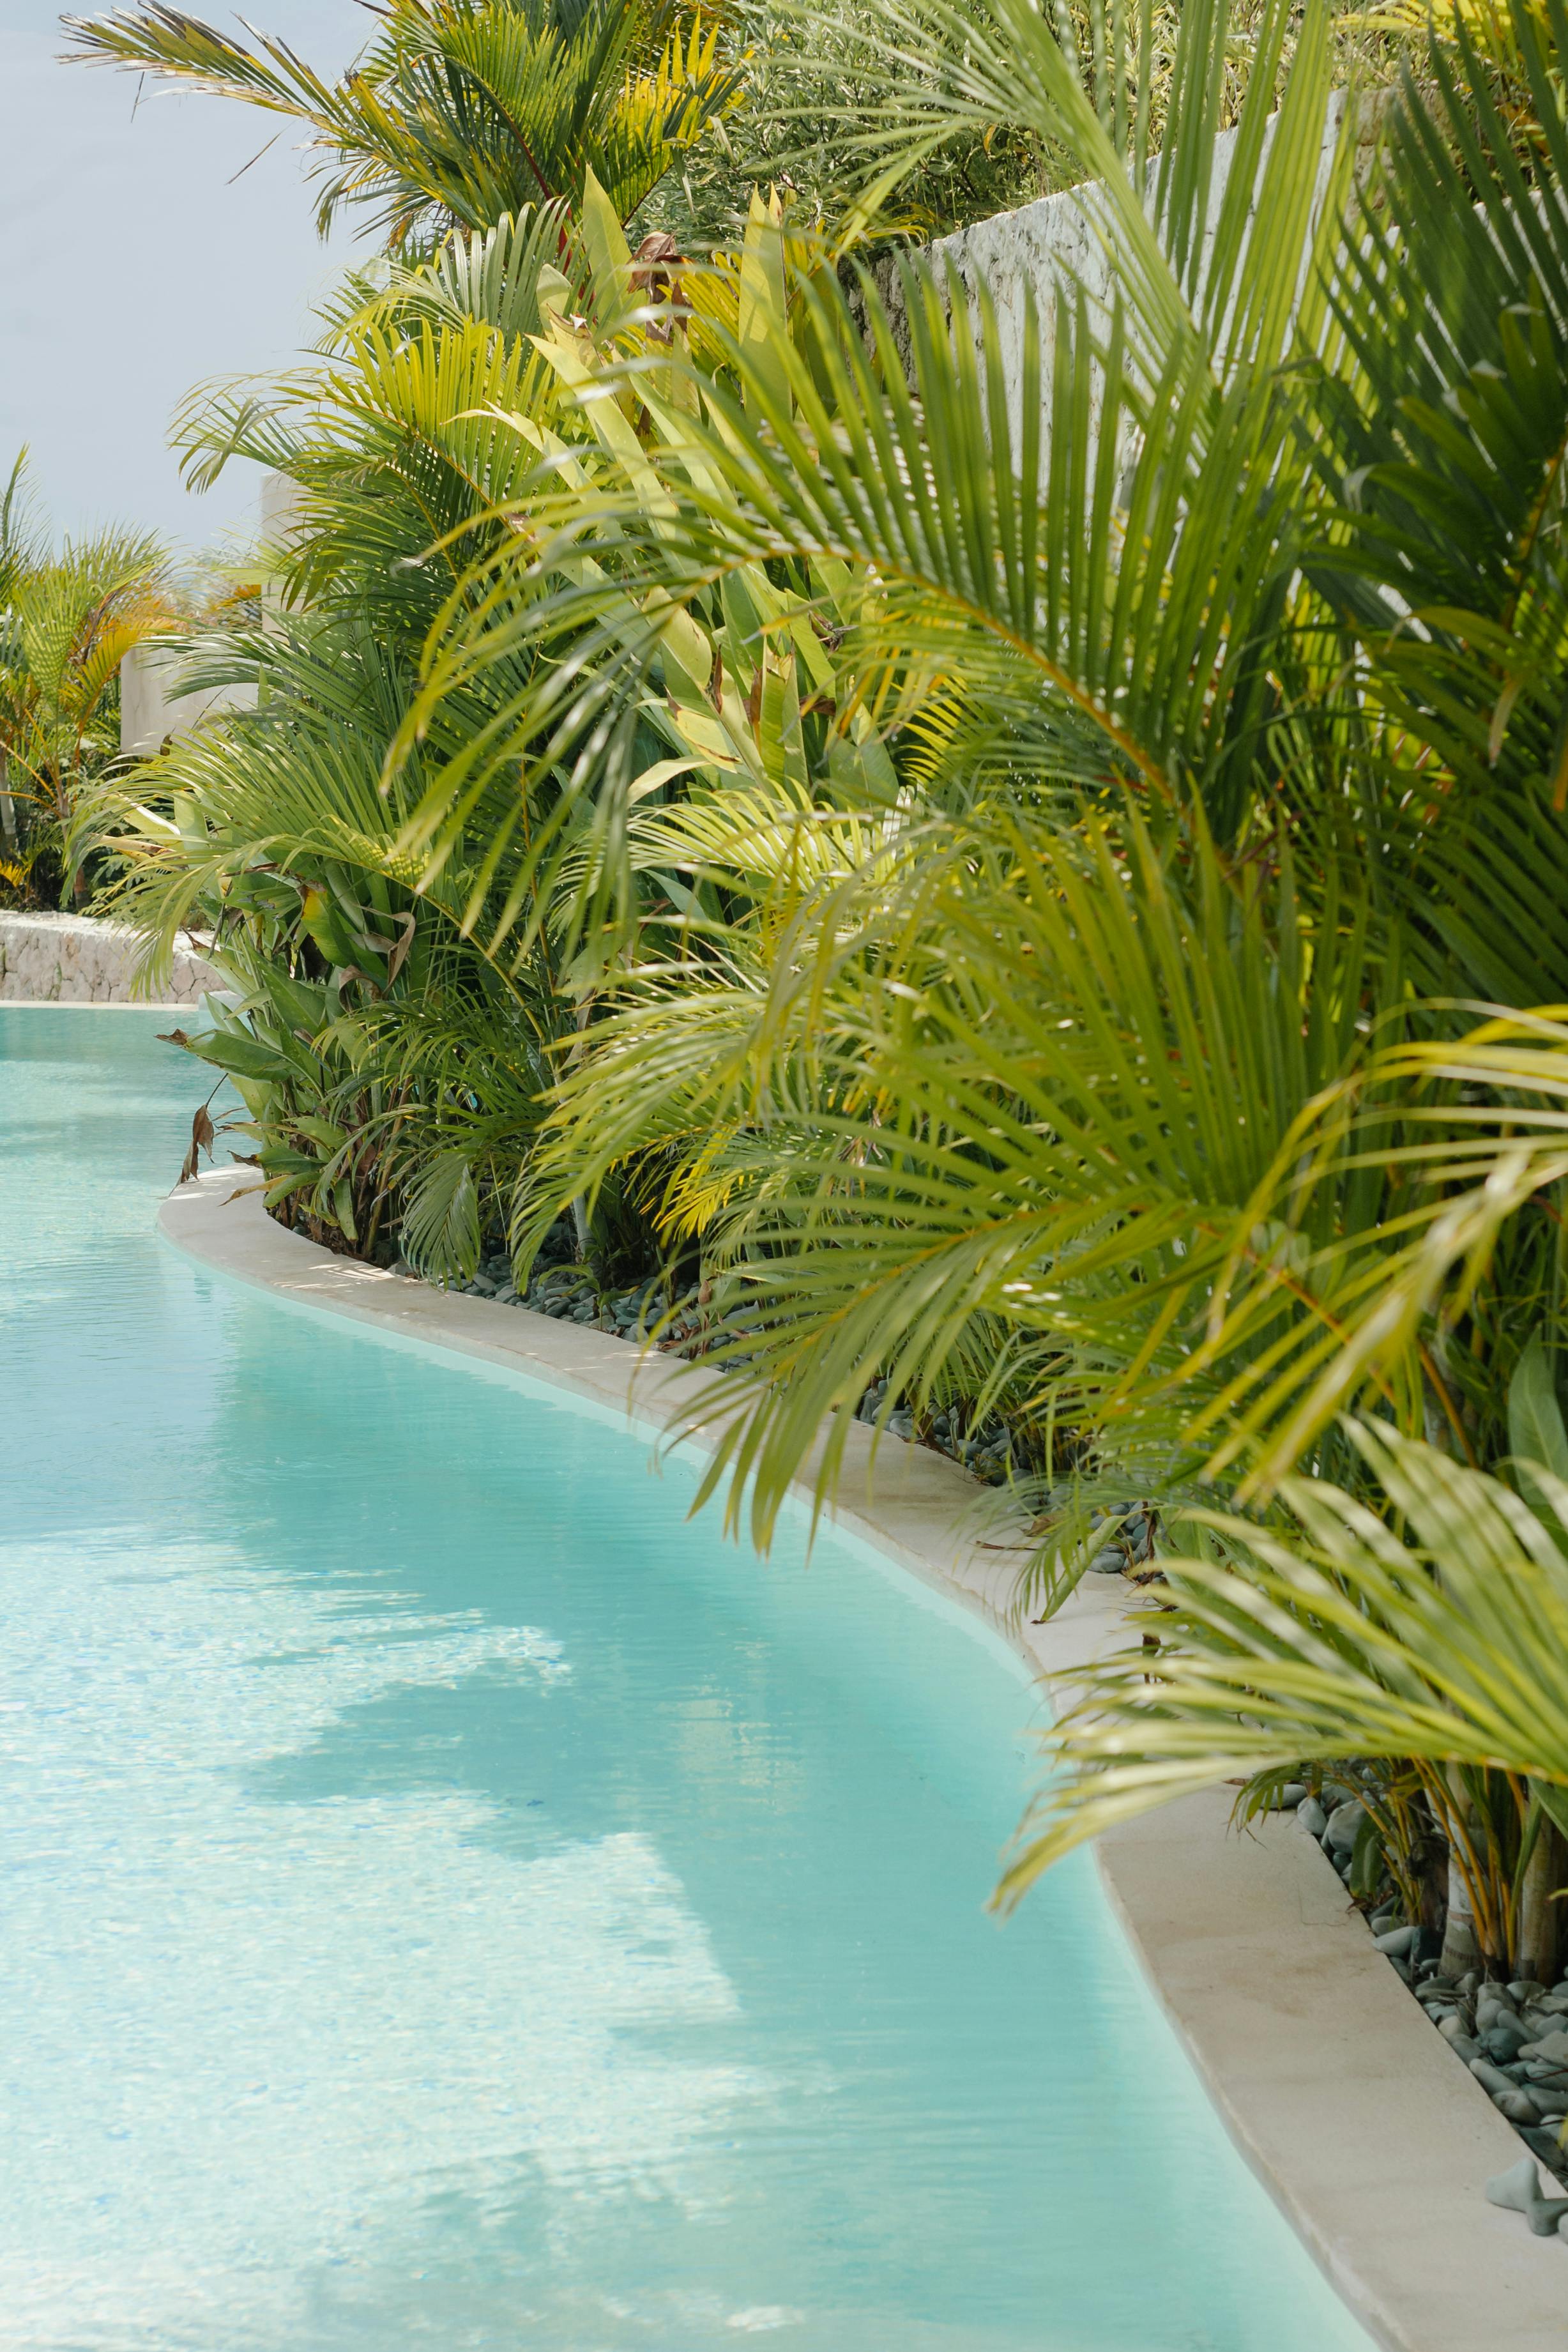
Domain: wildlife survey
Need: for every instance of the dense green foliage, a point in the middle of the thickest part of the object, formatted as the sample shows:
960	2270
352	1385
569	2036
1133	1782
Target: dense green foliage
1044	874
68	618
460	111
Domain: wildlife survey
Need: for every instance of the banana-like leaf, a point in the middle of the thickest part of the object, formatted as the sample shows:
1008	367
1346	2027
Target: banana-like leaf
1535	1428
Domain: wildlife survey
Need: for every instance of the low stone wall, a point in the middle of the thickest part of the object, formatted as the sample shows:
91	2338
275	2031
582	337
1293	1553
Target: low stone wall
73	959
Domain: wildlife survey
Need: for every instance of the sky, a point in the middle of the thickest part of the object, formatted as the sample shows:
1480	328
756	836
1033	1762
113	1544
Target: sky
136	266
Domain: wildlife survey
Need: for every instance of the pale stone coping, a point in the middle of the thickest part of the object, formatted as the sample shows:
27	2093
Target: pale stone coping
160	1004
1371	2137
61	959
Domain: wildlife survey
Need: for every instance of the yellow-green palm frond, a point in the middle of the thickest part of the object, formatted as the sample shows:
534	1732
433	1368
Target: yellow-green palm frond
1327	1633
461	112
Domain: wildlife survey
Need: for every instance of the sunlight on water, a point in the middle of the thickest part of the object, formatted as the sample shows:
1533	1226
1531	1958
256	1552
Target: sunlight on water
450	1900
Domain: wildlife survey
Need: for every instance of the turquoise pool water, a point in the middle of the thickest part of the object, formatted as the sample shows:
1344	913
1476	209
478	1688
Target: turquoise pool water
450	1901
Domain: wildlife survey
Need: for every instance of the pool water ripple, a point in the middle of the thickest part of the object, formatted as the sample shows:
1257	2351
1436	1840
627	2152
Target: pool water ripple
449	1899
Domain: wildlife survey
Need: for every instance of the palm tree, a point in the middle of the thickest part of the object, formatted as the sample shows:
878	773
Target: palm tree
391	1072
66	621
459	113
1200	713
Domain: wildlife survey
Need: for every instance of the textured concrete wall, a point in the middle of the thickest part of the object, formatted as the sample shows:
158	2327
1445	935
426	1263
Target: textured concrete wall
153	710
1060	242
71	960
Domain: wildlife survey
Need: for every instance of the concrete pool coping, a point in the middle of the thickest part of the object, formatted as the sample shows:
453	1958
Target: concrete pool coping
1370	2135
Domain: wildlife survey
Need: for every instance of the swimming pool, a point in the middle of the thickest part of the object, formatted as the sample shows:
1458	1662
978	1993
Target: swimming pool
452	1901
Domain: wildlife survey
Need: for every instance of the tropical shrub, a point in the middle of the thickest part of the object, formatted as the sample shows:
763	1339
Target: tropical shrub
1017	701
272	833
68	619
1112	1033
391	1074
1047	878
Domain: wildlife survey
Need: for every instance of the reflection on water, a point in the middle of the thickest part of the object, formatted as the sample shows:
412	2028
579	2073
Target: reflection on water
451	1900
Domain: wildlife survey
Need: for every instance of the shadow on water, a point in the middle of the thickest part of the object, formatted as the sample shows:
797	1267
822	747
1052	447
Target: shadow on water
454	1900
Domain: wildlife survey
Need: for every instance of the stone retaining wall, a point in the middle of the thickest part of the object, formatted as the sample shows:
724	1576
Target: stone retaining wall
1028	256
74	959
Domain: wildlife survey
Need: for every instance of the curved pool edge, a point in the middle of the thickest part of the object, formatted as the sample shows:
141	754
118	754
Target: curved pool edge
1369	2136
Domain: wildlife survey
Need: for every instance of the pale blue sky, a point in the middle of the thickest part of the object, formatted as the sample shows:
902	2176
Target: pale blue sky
132	270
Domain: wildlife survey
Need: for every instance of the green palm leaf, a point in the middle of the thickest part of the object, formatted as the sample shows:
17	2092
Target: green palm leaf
461	112
1322	1637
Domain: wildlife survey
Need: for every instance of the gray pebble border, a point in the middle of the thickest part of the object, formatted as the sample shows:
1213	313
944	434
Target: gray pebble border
1512	2037
695	1326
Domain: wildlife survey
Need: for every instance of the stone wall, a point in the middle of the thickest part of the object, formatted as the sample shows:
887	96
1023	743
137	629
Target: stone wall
154	711
1064	240
72	960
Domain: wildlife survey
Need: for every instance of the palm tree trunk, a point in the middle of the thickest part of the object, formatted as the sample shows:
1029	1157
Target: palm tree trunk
1462	1948
1461	1951
1539	1929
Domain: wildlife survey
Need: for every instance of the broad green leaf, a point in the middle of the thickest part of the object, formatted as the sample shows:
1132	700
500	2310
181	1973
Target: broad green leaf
608	255
1535	1428
763	318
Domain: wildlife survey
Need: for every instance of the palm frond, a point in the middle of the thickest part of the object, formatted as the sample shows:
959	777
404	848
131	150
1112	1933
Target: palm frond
460	113
1325	1635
